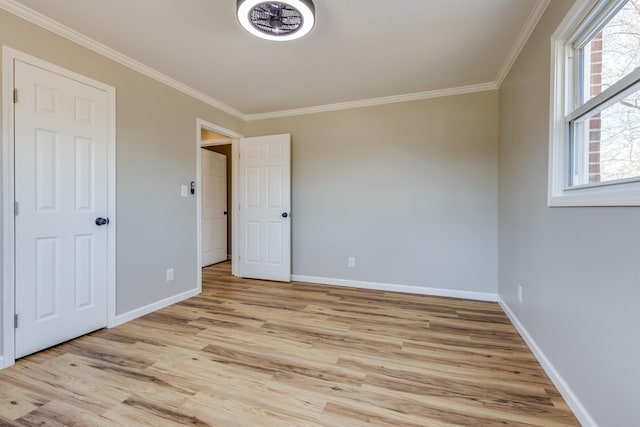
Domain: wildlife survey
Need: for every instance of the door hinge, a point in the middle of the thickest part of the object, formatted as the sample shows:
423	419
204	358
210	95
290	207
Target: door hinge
15	95
16	208
15	321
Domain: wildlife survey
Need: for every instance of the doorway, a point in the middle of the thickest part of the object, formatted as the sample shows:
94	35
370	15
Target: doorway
217	140
260	184
216	205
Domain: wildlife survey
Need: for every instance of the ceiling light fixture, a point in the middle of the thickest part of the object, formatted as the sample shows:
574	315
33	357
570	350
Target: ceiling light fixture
277	20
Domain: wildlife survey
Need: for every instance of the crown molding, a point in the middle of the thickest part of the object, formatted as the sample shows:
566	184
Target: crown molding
55	27
375	101
527	29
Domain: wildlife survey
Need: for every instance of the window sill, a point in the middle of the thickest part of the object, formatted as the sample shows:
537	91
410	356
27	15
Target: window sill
627	194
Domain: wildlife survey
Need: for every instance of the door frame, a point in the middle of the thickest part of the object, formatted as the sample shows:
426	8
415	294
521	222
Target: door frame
235	156
7	358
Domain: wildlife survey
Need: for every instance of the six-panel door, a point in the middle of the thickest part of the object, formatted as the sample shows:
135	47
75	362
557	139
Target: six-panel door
265	204
61	133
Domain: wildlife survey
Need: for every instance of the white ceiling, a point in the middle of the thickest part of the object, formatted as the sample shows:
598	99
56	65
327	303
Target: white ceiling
358	50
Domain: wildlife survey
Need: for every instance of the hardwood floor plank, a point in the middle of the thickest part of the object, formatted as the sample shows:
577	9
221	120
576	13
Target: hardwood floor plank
17	403
232	412
359	414
59	413
163	412
256	353
47	384
7	423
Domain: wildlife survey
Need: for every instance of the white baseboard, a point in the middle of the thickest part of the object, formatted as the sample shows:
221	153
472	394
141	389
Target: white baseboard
409	289
150	308
565	390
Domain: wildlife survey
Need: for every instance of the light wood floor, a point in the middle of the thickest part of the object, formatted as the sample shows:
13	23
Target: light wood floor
254	353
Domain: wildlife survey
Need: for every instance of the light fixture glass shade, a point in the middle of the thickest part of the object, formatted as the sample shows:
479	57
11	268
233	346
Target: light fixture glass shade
276	20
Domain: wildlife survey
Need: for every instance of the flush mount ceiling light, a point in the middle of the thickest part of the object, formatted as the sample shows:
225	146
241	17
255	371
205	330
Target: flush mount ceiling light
277	20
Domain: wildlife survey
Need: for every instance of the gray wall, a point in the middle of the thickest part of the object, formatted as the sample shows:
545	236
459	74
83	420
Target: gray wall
408	189
156	143
578	266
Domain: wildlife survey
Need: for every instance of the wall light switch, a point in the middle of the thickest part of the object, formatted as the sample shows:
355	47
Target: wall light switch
184	191
169	274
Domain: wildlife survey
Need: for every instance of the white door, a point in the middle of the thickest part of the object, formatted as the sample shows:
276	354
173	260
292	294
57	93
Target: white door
214	207
265	207
61	137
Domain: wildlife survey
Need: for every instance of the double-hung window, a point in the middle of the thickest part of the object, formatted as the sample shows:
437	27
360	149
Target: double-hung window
595	108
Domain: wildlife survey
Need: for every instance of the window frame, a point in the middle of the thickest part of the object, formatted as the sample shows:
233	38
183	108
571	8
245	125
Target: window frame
584	20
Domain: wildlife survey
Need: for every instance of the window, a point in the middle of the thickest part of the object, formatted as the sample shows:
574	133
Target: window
595	123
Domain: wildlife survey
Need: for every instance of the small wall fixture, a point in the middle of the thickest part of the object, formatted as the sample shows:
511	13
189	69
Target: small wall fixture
277	20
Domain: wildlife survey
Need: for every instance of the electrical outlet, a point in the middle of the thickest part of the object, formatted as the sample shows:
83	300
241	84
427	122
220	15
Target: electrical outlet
169	274
351	262
519	293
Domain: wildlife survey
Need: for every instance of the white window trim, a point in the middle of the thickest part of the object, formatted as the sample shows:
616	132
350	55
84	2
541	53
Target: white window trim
620	193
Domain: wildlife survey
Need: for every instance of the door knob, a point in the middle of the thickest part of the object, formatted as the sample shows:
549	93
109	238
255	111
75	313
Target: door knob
225	212
102	221
284	214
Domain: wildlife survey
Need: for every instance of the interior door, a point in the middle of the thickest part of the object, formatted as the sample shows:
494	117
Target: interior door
214	207
61	136
265	207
